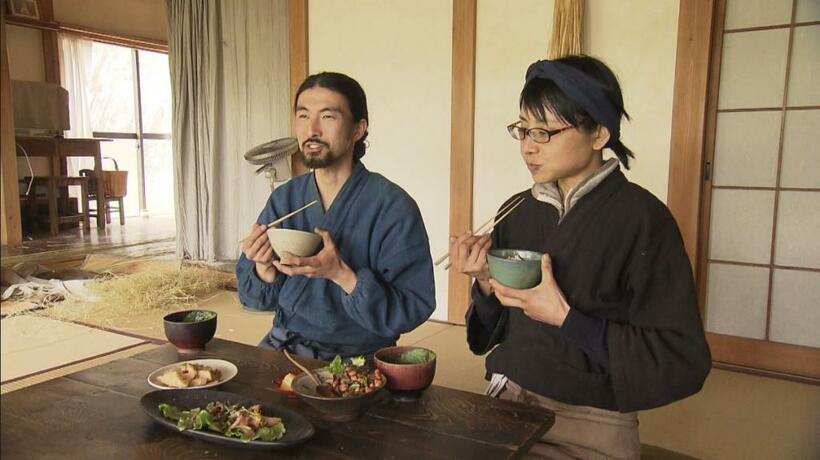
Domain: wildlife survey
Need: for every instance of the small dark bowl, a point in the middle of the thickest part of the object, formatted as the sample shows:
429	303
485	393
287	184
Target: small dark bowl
189	336
333	409
406	379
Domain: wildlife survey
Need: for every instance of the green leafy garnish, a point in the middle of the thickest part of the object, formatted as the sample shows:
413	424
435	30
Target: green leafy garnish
169	411
197	316
417	356
336	367
247	424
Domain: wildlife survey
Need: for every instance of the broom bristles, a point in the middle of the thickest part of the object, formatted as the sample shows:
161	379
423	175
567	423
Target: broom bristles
566	30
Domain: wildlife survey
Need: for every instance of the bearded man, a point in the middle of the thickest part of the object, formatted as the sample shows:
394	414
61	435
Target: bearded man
373	278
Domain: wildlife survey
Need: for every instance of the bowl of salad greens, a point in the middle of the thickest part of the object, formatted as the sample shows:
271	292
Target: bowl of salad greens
409	370
350	388
190	330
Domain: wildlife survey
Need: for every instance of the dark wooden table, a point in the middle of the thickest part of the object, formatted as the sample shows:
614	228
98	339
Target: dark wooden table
96	414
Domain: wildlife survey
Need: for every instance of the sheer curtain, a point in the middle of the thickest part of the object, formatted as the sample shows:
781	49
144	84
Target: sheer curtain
75	65
229	79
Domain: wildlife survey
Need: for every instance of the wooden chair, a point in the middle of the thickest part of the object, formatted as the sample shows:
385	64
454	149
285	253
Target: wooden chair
109	199
53	184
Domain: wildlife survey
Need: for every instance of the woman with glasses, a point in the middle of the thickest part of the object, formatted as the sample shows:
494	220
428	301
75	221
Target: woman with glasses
613	327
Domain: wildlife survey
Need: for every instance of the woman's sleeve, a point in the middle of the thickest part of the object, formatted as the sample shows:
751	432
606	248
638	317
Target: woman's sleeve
660	354
486	318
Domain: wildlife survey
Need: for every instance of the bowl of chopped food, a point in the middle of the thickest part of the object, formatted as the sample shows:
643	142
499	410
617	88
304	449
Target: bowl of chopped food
409	370
194	374
349	389
515	268
296	242
190	330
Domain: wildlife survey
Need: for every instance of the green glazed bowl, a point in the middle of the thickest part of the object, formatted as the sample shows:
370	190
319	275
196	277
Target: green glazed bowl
515	268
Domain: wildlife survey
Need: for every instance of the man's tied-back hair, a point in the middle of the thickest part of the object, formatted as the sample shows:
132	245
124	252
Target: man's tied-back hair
347	87
580	91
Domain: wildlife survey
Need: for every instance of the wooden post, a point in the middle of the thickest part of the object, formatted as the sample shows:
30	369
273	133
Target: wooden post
298	58
461	145
11	233
689	119
51	52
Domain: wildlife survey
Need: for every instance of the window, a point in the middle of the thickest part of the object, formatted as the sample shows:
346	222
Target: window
130	102
760	270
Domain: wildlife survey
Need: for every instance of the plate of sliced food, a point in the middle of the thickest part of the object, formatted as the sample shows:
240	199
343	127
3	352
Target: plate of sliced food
193	374
227	418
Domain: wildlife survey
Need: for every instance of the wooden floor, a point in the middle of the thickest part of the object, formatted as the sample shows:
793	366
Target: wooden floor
139	236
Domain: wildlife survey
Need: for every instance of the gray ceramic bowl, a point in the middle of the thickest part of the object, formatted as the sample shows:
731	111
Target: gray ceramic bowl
333	409
409	370
515	268
296	242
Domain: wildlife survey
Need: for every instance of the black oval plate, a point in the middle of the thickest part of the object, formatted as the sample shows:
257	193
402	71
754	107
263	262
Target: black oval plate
297	428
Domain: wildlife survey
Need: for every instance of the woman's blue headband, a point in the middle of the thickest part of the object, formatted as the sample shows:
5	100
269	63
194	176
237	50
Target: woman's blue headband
582	89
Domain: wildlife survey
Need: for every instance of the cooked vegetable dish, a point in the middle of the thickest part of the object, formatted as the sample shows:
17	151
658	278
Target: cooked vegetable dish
246	423
189	375
354	378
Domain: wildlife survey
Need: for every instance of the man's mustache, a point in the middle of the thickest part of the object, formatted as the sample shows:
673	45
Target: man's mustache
315	141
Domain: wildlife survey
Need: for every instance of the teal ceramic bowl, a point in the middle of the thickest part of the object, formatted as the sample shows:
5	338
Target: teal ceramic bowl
515	268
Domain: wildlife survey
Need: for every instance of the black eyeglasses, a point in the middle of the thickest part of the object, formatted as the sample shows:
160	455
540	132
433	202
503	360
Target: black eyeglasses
541	136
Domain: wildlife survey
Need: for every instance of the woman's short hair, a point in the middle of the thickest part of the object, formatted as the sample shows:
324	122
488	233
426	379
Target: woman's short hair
541	95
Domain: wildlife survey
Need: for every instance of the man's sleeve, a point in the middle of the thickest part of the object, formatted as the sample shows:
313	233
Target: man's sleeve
396	294
253	292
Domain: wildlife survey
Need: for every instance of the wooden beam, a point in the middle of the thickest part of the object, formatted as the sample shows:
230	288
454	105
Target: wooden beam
140	43
51	53
689	118
298	58
783	360
10	227
461	145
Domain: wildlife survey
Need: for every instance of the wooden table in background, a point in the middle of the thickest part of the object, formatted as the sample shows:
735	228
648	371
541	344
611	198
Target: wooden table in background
60	148
96	414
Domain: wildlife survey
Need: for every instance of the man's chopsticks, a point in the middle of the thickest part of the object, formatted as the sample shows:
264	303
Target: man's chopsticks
288	216
494	220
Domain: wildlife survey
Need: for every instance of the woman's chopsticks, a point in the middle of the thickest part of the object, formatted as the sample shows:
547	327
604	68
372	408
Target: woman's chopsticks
288	216
494	220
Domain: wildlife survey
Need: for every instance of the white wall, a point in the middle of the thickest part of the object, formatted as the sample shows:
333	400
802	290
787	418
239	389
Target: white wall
507	41
638	40
400	52
25	48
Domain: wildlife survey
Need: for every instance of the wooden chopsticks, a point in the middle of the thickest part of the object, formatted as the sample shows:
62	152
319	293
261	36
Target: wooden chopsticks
288	216
492	222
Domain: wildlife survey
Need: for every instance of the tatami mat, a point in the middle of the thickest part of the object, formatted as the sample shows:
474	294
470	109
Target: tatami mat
233	322
31	344
72	368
